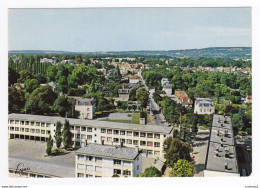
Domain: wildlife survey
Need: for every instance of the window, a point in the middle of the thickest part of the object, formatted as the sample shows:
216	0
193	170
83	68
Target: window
200	110
22	129
109	139
89	137
16	128
32	131
149	135
27	130
129	133
126	173
90	158
81	166
80	157
78	136
136	134
89	129
157	136
71	127
116	140
80	175
32	123
89	176
98	160
83	136
42	124
117	171
21	122
122	140
129	141
116	132
11	121
210	110
142	143
122	132
48	124
37	123
98	169
42	131
77	128
109	131
157	153
48	132
83	128
17	122
37	130
103	138
117	162
142	134
135	142
87	109
12	129
157	144
27	123
72	135
32	176
103	130
149	143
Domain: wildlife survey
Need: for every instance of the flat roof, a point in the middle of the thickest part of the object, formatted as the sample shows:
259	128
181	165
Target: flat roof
93	123
41	167
108	151
221	154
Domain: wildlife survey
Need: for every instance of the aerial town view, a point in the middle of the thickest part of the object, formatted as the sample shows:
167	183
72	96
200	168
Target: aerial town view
129	92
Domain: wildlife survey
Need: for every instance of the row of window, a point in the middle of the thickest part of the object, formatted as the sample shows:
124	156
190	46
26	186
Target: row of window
130	141
130	133
32	123
100	160
39	131
80	175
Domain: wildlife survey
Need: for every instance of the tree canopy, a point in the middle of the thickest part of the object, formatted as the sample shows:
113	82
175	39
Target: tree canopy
151	172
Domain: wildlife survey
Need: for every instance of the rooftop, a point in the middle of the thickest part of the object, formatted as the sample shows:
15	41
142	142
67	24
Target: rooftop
93	123
114	152
41	167
221	154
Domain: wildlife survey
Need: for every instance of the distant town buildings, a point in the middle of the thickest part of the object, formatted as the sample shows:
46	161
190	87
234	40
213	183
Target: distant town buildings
221	159
46	60
204	106
86	107
98	160
133	79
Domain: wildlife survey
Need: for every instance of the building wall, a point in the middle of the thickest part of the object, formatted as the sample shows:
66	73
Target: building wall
209	173
148	141
86	111
108	166
133	81
204	110
168	91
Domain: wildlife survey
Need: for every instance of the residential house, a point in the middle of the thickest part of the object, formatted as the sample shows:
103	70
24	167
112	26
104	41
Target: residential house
86	107
204	106
183	98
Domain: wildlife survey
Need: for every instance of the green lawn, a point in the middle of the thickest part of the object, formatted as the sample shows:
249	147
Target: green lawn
135	119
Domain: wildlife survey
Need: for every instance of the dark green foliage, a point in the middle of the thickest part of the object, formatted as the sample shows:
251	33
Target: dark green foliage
151	172
30	85
12	76
175	149
41	100
142	96
49	145
58	137
24	75
67	135
132	95
62	106
16	100
41	78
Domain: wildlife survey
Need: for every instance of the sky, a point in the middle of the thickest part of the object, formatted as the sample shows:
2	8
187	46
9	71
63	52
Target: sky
128	29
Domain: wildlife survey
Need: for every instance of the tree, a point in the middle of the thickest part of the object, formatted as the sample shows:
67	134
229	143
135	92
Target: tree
62	84
183	168
142	96
151	172
62	106
41	78
67	135
30	85
41	100
12	76
132	95
16	100
176	150
134	107
24	75
57	136
49	145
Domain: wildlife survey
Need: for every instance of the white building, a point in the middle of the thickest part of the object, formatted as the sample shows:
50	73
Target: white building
98	160
164	81
149	138
204	106
168	89
86	107
133	79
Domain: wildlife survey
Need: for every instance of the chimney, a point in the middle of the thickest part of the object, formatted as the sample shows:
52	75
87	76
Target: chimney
102	142
121	144
86	142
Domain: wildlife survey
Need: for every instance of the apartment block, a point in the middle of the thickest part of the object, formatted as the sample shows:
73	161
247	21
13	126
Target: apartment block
98	160
149	138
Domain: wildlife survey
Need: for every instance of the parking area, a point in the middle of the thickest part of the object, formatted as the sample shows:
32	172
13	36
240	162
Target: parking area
26	149
200	151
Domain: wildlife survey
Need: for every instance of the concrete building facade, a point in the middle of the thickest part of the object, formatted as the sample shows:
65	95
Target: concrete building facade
204	106
86	107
